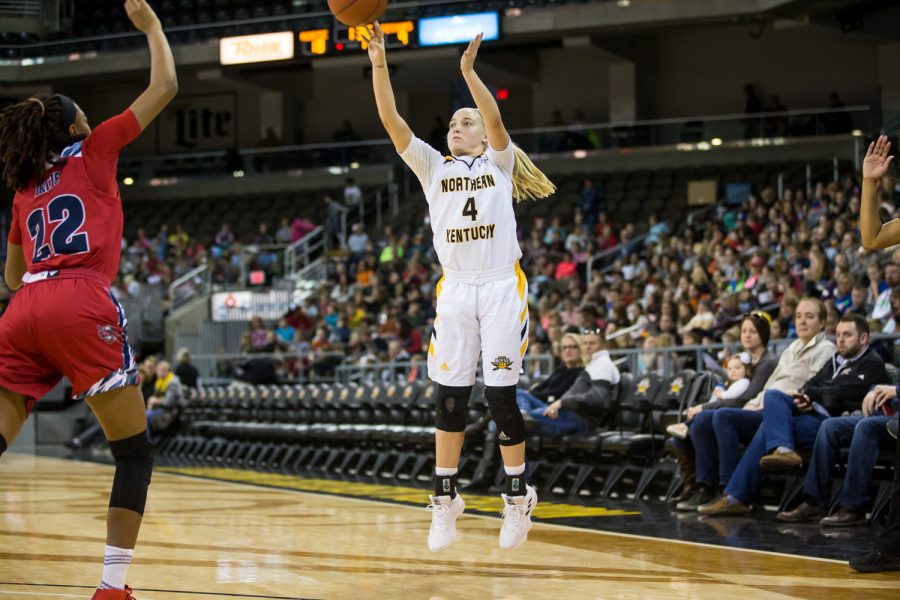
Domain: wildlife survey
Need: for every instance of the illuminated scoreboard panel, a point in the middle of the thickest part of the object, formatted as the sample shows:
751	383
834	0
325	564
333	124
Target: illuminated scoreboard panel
318	42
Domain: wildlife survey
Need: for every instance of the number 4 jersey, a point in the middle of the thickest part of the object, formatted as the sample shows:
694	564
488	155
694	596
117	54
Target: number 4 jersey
72	218
470	205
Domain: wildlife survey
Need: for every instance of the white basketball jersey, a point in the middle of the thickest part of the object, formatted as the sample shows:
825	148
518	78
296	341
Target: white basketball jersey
470	204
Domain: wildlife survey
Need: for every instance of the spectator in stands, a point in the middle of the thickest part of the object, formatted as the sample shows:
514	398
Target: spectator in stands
392	251
147	374
185	371
791	418
703	319
752	105
698	455
866	435
224	238
334	212
560	380
740	370
358	242
283	234
163	405
353	197
591	202
589	402
894	317
881	309
300	228
285	333
258	337
656	229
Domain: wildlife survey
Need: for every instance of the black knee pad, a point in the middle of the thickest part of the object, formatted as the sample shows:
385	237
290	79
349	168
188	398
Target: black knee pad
452	404
3	445
134	464
506	413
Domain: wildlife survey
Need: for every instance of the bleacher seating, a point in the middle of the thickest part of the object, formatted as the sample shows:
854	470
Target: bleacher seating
384	432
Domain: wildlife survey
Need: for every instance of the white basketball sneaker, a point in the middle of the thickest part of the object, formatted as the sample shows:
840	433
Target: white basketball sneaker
443	521
517	518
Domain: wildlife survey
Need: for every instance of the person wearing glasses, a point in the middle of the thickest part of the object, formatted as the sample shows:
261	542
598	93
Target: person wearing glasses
587	403
885	555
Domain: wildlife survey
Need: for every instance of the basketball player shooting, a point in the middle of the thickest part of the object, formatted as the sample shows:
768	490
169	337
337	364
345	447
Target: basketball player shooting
482	298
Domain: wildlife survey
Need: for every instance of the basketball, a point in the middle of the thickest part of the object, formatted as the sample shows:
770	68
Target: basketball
357	12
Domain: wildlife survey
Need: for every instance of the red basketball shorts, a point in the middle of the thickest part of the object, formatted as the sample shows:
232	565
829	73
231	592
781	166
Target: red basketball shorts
65	326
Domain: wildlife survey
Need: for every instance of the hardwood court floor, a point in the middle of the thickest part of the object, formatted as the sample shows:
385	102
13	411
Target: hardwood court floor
210	539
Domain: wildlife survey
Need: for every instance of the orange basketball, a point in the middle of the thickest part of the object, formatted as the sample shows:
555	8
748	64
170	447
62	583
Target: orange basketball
357	12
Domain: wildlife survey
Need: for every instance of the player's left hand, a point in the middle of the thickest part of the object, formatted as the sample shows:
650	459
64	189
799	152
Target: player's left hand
142	16
877	159
467	62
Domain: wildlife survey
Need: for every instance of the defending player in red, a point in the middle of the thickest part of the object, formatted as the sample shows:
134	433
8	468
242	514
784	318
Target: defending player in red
63	253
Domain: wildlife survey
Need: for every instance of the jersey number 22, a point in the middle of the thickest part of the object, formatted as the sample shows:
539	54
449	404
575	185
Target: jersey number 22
68	211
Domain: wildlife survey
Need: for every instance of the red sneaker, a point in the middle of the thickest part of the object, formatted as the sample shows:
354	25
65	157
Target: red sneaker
114	594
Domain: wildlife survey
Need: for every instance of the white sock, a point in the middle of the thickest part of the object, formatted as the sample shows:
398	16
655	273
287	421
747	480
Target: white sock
445	471
514	470
783	450
115	567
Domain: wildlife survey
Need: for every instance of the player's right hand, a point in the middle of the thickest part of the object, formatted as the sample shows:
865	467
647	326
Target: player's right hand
142	16
375	39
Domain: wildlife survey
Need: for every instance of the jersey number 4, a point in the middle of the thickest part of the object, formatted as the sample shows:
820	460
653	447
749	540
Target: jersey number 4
469	209
66	238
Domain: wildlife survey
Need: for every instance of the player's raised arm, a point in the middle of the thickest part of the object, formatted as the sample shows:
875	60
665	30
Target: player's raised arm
163	80
876	235
396	127
498	138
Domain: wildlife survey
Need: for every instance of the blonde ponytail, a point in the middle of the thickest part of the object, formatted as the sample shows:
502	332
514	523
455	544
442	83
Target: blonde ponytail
529	183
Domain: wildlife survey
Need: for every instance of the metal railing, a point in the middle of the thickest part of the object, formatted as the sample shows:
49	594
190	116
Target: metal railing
612	253
196	282
810	177
304	251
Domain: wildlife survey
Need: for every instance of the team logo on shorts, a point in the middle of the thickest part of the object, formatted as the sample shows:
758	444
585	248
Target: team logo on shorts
108	334
502	362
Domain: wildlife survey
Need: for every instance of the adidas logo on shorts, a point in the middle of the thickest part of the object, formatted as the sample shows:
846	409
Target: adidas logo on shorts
503	437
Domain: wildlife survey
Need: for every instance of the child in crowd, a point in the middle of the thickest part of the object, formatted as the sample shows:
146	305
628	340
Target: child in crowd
740	369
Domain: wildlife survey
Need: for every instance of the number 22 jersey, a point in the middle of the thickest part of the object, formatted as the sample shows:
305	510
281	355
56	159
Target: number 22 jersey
470	205
72	218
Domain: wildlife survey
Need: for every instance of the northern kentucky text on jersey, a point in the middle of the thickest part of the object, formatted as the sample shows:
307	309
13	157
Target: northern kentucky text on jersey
466	184
470	234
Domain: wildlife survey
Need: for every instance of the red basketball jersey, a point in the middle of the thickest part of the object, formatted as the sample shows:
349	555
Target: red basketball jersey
73	218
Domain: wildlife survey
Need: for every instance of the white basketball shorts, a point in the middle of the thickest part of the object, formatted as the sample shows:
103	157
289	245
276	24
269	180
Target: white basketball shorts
484	312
